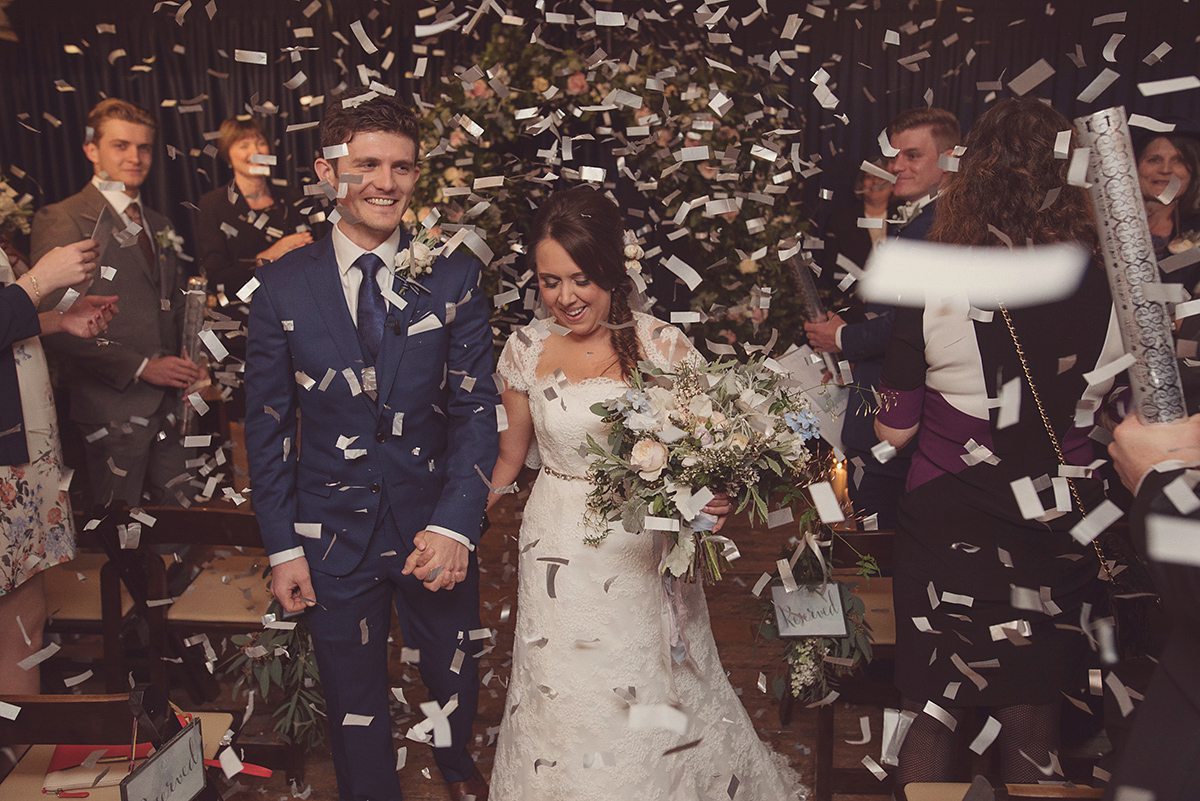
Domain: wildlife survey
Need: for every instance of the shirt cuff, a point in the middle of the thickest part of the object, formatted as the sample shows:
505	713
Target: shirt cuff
454	535
837	335
141	367
286	556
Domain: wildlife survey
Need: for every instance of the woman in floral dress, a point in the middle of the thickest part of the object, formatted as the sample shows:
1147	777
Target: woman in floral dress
36	529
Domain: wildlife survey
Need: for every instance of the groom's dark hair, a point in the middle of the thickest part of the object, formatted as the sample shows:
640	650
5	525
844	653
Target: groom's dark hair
352	116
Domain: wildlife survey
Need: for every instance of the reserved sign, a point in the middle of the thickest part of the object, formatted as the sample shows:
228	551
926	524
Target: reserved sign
174	773
809	613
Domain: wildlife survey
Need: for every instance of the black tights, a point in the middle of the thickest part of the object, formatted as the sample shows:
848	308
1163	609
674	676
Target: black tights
929	748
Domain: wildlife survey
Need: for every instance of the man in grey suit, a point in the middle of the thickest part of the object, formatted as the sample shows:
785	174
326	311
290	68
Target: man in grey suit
124	387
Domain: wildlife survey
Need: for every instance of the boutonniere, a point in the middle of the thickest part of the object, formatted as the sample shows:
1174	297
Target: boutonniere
417	259
169	241
907	212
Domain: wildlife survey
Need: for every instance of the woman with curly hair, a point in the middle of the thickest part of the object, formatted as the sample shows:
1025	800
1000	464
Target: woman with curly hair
988	601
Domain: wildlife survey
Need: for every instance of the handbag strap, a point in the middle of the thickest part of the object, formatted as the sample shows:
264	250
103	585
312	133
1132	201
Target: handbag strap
1037	399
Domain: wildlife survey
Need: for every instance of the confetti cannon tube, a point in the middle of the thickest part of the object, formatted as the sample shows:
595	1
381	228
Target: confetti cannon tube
193	348
1128	254
814	310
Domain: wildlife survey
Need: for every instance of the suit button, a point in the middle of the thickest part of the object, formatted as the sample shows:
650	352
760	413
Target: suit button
374	486
381	437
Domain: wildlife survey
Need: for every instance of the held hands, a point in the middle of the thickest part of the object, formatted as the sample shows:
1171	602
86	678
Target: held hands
286	245
172	371
720	508
823	336
1137	447
291	584
65	266
434	550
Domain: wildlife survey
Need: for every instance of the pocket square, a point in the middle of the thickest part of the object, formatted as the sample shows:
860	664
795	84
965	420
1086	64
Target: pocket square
428	323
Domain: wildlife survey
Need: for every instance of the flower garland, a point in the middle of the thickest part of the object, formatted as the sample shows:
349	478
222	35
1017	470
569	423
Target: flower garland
491	121
816	664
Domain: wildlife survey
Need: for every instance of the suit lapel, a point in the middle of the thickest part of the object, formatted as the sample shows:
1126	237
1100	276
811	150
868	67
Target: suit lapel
395	338
325	285
132	255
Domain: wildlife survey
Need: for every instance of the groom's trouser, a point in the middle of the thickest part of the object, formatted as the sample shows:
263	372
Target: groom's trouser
354	674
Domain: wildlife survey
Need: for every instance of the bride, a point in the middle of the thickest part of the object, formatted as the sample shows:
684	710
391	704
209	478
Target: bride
597	708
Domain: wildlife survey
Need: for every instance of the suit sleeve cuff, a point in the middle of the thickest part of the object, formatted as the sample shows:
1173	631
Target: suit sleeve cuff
142	367
286	556
837	336
454	535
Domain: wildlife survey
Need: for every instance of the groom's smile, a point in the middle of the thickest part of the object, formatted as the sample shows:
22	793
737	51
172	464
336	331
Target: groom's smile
379	173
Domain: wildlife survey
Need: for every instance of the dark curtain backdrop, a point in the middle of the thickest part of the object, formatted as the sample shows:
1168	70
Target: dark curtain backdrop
204	74
1007	37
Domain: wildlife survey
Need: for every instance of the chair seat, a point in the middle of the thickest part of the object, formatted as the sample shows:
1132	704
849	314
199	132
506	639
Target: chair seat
230	591
24	783
876	595
72	599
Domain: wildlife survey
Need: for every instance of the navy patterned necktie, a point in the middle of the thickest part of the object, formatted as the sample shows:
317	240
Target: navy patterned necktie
371	307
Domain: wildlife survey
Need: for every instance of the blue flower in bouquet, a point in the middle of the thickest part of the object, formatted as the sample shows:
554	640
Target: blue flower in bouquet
636	401
802	423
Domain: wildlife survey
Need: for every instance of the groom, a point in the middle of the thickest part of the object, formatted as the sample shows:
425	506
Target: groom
370	421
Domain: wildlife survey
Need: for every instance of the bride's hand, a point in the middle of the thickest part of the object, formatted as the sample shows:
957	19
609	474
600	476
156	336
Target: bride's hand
433	551
720	508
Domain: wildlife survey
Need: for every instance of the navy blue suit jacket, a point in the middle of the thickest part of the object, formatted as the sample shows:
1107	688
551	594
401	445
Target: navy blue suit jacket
18	321
336	457
865	344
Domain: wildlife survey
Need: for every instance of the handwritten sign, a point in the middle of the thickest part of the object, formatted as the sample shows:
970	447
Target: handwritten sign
174	773
809	613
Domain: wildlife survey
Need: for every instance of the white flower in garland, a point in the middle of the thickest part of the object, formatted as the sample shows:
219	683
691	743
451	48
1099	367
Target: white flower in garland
417	259
633	253
169	241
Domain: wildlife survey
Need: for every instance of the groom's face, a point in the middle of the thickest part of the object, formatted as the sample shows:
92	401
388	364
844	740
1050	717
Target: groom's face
387	165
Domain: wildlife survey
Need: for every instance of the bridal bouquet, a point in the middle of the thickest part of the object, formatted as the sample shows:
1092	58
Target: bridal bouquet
676	438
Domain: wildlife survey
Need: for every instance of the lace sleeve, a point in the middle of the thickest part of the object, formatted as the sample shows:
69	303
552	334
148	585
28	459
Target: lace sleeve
514	367
665	345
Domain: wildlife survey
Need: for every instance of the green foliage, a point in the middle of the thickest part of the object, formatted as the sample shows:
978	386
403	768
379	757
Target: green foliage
471	131
281	666
810	675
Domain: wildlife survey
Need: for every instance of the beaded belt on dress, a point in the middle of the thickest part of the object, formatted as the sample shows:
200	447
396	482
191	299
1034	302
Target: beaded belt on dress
563	476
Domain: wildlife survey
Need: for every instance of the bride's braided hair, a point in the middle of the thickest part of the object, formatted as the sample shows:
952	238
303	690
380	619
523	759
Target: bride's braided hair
589	227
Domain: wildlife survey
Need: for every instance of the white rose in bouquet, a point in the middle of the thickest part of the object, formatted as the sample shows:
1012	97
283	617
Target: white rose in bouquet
649	457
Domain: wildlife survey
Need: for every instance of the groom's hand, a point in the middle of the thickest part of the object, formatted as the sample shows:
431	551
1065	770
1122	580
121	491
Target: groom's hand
291	584
432	551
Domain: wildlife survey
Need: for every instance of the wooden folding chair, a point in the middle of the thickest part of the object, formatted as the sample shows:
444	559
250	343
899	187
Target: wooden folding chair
46	721
227	594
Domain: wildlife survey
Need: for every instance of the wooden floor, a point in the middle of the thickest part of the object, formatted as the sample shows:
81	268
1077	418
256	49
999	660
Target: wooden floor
735	616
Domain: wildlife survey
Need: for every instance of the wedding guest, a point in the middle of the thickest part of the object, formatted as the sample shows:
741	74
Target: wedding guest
243	225
920	136
1161	159
965	637
1162	752
395	520
125	387
599	630
231	237
36	527
854	231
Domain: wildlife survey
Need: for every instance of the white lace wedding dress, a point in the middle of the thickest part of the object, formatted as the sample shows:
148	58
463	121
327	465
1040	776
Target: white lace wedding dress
589	635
